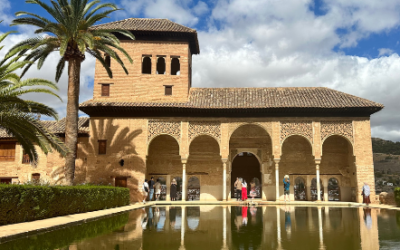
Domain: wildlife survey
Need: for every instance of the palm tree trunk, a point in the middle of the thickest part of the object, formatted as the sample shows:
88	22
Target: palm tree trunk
71	124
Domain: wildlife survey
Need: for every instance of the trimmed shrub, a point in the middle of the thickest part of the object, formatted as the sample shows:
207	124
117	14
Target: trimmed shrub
21	203
397	196
64	237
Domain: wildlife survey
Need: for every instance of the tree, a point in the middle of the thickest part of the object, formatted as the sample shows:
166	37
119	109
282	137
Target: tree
19	117
71	34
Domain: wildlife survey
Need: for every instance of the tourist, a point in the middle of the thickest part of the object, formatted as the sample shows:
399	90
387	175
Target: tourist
244	215
238	186
145	190
286	187
151	188
253	192
173	190
366	193
157	188
244	191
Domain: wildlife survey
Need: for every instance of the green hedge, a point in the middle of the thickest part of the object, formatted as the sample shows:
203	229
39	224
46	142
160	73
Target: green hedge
21	203
397	196
64	237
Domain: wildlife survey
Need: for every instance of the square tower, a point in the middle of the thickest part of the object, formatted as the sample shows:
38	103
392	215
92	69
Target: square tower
162	63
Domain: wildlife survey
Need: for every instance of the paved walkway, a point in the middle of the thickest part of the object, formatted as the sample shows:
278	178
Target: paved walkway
15	231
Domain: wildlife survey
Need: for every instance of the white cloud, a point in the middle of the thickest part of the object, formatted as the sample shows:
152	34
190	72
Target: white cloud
385	51
4	15
201	8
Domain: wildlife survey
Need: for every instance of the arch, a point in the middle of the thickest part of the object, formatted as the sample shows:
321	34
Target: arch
193	192
337	135
175	66
146	65
160	65
178	188
333	189
314	189
157	137
292	135
300	189
238	126
243	152
205	134
205	141
249	173
193	217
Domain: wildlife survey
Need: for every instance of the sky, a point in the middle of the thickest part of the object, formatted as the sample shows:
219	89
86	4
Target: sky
347	45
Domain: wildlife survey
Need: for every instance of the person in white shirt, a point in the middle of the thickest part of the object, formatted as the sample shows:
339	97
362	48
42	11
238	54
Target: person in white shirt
145	190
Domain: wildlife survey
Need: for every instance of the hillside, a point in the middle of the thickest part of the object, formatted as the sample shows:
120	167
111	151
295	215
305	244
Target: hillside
386	163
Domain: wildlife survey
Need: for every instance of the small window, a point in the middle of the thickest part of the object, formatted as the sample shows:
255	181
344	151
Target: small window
175	66
121	181
107	59
25	158
161	66
102	147
146	65
6	180
36	177
105	90
7	151
168	90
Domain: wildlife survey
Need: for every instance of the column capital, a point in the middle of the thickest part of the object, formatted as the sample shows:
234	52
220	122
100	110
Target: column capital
225	160
184	160
317	161
277	160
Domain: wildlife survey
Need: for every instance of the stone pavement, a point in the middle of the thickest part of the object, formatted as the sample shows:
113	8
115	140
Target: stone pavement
19	230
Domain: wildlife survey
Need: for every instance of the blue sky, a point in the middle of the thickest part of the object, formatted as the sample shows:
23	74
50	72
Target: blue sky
348	45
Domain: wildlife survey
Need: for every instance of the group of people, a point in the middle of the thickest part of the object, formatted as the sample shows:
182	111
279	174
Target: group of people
150	188
241	189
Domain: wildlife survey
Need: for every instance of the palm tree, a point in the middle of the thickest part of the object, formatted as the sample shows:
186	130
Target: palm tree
19	117
71	35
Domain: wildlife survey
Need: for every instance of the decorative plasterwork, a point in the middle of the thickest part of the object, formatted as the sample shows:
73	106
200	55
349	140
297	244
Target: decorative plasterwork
303	128
159	127
343	128
210	128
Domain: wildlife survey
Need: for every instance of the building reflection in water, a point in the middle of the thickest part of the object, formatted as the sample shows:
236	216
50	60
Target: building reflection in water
243	227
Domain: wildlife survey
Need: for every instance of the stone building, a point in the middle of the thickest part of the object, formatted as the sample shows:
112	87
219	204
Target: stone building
153	123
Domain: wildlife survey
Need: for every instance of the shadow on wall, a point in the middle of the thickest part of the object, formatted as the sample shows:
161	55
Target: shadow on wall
103	168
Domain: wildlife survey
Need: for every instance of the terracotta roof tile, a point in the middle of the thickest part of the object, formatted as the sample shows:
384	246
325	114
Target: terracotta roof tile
146	24
57	127
257	98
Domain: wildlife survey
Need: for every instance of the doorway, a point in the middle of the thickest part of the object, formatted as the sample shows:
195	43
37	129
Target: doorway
246	166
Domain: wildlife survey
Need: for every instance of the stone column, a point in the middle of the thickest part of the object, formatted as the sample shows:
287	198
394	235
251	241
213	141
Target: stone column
184	185
224	228
278	226
263	196
168	183
277	178
320	229
325	181
317	163
183	224
224	180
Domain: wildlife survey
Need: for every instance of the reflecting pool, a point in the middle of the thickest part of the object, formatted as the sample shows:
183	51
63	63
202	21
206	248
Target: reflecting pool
229	227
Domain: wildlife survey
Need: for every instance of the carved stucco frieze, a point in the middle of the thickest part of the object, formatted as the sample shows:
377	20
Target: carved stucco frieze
303	128
343	128
209	128
159	127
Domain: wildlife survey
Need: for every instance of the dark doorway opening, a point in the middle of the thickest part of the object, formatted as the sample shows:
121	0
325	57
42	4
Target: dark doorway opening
121	182
246	166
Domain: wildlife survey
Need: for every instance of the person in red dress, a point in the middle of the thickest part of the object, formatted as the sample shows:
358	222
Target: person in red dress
244	191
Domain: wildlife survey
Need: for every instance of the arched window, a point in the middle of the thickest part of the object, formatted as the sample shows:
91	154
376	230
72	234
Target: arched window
193	189
314	196
333	190
146	65
161	66
178	188
300	193
175	66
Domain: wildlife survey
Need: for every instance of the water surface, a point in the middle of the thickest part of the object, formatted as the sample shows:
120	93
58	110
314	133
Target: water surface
229	227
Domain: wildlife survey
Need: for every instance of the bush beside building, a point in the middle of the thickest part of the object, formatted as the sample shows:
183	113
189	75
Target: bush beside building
22	203
397	196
